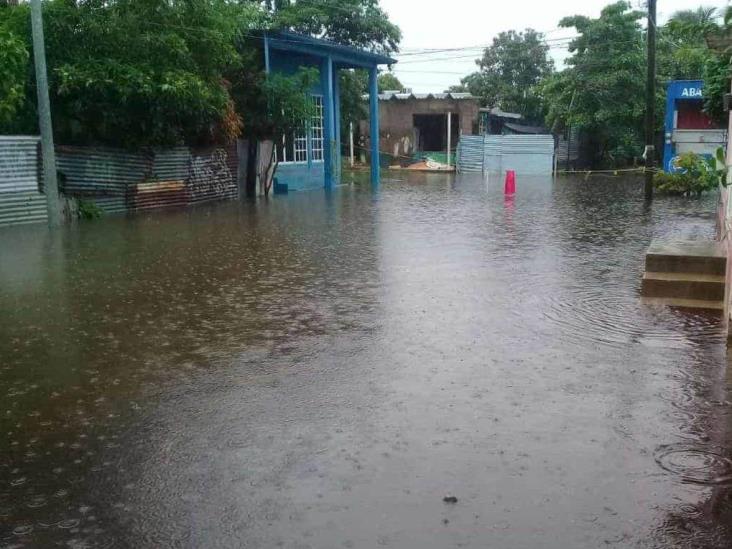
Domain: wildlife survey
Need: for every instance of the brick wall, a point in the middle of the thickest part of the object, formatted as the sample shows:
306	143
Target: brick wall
396	121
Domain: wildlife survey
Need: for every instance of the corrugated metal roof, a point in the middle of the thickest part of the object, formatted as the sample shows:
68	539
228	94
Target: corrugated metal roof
388	96
496	111
527	130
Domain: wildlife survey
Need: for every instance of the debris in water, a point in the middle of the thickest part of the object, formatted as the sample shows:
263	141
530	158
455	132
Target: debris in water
450	499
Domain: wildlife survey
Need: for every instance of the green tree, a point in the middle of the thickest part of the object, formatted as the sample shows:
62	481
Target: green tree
166	72
682	48
354	84
387	81
684	54
510	72
458	88
138	72
716	86
602	89
13	67
693	25
359	23
273	106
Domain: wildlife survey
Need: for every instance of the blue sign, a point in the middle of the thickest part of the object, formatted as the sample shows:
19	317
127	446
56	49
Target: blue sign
692	93
686	89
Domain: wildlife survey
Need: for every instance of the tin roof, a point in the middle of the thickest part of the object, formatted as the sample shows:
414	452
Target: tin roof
496	111
391	95
527	130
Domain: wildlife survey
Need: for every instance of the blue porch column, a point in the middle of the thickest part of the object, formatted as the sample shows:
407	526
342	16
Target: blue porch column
337	121
374	124
668	147
326	74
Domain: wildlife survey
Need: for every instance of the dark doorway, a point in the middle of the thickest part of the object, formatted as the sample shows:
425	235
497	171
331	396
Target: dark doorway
431	132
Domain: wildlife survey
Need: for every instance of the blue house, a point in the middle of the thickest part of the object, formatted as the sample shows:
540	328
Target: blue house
312	158
688	128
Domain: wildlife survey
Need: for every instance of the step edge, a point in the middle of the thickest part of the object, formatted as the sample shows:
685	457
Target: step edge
673	276
684	303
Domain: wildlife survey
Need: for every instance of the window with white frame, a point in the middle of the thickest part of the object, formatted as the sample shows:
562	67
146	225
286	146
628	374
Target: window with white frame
301	146
317	129
283	151
294	148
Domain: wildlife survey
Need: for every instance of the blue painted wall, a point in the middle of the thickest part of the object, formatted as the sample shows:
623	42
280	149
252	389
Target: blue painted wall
306	175
677	90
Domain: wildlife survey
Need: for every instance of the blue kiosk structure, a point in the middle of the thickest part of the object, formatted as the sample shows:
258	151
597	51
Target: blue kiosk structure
312	158
687	126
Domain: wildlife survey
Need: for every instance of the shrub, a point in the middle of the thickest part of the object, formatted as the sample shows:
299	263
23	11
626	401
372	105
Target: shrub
89	210
694	176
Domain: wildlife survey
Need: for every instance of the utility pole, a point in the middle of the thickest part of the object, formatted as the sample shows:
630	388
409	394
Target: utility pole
651	102
50	184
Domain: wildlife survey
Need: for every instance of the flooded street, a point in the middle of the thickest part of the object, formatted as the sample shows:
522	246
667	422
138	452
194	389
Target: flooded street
320	370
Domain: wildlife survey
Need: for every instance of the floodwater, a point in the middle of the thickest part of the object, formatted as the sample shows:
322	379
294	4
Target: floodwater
320	370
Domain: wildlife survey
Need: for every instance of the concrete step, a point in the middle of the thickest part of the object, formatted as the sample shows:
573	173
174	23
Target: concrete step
700	287
694	256
714	306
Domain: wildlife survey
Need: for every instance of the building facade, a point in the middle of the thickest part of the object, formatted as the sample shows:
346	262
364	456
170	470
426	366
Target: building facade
687	126
411	124
311	158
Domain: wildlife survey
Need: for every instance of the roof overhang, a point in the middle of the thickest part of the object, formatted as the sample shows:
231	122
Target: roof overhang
344	56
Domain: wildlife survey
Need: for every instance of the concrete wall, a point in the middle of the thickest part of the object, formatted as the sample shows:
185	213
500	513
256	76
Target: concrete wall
396	121
724	230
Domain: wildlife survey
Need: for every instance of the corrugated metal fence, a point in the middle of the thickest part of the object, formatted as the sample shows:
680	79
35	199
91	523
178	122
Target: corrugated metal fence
568	149
526	154
115	180
470	153
119	181
20	199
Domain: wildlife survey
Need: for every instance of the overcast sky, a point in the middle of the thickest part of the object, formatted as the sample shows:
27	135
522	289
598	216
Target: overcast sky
435	24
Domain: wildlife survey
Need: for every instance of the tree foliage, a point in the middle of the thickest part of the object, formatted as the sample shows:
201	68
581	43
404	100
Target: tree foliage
602	89
359	23
510	72
278	104
354	84
387	81
139	72
167	72
13	66
694	175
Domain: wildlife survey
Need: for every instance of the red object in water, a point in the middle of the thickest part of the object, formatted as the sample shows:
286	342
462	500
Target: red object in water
510	182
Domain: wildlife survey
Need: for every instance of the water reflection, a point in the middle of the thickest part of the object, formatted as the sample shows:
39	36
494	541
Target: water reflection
318	370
